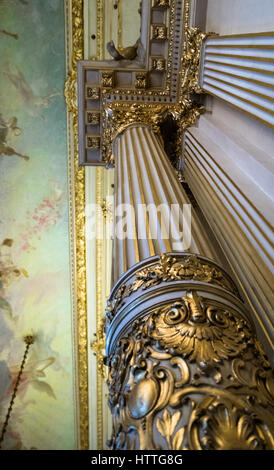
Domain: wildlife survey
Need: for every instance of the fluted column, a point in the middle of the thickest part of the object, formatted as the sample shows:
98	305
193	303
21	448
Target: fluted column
146	180
185	367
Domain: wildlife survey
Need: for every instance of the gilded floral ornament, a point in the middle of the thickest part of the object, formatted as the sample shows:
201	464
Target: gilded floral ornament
118	116
78	196
190	267
98	347
70	91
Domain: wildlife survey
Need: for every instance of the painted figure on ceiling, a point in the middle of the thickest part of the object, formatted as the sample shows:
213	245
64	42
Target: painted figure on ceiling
7	33
9	129
8	270
31	101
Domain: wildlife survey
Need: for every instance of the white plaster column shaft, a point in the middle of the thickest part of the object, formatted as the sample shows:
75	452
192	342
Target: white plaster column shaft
144	177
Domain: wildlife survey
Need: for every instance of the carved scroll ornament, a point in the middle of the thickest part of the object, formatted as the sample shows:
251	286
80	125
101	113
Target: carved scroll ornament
191	376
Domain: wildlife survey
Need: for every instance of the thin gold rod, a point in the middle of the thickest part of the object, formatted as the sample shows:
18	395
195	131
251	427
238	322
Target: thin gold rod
120	27
29	340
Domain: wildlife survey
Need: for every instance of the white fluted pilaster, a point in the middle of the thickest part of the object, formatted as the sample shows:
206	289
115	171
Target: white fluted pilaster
239	69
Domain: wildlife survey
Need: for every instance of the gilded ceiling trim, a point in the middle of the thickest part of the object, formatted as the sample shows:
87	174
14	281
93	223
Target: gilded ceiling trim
77	203
100	32
99	310
120	24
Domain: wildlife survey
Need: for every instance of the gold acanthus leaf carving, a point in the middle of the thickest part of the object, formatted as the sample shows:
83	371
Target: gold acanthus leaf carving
120	115
166	426
190	267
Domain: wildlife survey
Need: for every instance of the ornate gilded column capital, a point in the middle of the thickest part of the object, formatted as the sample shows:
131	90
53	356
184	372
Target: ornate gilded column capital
118	116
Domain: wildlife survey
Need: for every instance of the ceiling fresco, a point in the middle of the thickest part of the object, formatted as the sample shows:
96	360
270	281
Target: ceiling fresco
35	286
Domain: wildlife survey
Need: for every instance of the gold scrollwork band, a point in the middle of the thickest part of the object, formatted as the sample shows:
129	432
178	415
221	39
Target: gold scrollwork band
171	267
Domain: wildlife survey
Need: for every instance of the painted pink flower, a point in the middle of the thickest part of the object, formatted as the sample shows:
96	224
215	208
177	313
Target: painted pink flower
44	216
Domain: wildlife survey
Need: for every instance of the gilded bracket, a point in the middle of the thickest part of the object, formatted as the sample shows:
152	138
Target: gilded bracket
191	60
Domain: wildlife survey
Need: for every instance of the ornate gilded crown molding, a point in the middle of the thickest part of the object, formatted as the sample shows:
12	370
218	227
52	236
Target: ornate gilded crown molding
75	44
190	376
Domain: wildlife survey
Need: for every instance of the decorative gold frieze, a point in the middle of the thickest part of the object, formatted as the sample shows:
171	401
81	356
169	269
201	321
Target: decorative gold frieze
77	204
93	118
141	80
93	142
107	79
99	309
158	64
92	93
159	31
70	92
171	269
191	60
189	376
100	32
